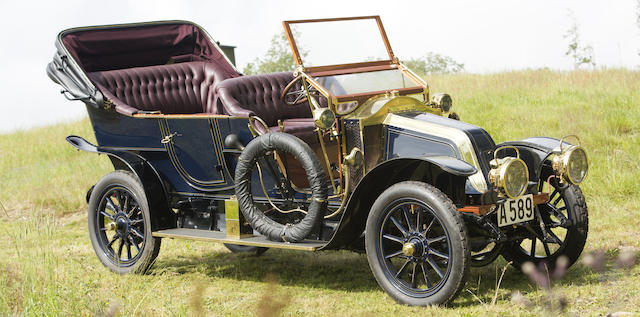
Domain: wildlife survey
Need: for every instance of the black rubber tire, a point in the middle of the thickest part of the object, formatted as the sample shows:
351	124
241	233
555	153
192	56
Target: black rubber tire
574	241
150	246
450	219
286	143
236	248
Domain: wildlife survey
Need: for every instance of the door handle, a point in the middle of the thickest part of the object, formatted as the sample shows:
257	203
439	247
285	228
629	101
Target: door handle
169	138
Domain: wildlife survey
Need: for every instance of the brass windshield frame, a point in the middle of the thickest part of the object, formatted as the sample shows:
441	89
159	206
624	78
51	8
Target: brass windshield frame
298	57
352	68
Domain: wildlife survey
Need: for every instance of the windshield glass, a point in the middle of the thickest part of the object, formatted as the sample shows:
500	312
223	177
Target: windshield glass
347	84
339	42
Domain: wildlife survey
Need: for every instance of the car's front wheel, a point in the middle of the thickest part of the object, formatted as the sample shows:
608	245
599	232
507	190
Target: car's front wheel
417	244
562	229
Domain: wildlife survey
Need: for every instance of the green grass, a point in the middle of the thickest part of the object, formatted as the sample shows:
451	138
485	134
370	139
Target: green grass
47	265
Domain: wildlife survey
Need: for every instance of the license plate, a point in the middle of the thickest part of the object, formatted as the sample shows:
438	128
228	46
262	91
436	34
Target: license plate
516	211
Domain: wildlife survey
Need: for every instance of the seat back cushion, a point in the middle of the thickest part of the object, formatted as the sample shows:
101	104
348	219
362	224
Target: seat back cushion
259	95
182	88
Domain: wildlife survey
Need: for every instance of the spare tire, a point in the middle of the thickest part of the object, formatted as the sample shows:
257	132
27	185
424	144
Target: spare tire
283	143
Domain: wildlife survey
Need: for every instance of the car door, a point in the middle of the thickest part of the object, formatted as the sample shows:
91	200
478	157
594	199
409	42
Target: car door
195	150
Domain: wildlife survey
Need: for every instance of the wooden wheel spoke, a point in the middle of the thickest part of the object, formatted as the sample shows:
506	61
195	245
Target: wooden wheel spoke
133	211
424	233
533	247
109	204
437	239
438	254
393	238
414	280
404	266
424	273
393	255
129	250
546	247
555	238
120	249
136	221
115	237
399	226
106	214
132	242
418	220
407	218
136	232
435	267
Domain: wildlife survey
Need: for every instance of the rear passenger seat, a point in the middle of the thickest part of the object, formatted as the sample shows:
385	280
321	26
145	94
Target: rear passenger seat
183	88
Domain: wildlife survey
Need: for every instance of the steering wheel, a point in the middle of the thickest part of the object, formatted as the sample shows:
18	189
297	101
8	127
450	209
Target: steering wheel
291	96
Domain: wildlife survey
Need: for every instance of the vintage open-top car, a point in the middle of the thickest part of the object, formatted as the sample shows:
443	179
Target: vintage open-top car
350	151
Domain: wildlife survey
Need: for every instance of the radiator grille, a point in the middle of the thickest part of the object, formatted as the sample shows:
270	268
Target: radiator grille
352	130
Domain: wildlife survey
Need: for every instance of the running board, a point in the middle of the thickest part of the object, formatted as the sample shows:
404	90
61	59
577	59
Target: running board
256	241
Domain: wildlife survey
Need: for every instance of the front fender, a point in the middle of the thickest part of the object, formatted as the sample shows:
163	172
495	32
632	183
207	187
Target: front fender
535	153
448	174
161	216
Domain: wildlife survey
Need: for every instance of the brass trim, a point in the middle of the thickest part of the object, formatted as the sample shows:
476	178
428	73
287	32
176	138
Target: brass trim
294	46
234	220
179	116
252	125
462	141
408	249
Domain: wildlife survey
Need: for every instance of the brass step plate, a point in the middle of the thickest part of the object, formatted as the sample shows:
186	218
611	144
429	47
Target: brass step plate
221	237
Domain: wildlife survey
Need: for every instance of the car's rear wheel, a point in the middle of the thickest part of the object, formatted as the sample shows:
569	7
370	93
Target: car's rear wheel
563	231
120	224
417	244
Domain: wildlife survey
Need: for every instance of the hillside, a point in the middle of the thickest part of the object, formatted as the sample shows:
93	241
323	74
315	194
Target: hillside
47	265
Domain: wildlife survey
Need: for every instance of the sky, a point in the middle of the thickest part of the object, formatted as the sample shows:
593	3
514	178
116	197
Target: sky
486	36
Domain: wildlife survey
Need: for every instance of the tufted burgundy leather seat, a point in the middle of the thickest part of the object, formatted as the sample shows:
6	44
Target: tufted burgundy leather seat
259	95
183	88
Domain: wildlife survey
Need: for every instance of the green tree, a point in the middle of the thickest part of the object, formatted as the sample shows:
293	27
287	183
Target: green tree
433	63
277	59
581	54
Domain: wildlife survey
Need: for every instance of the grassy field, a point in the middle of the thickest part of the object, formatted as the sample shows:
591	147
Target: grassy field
47	265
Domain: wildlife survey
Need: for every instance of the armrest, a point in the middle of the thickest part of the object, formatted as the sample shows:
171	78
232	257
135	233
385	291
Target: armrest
231	105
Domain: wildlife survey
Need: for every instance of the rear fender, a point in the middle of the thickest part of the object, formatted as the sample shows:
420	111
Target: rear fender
446	173
161	215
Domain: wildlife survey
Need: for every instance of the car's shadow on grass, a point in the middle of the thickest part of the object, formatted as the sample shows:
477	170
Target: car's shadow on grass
348	271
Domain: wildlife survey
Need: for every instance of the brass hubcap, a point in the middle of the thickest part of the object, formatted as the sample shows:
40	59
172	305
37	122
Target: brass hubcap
408	249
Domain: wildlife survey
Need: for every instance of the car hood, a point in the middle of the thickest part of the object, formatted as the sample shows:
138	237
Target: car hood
417	133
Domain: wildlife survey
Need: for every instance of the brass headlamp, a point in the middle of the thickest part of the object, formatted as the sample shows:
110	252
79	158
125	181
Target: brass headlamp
571	163
324	118
509	174
442	101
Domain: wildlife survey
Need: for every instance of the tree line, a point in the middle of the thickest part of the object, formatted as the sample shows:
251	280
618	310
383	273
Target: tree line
278	57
